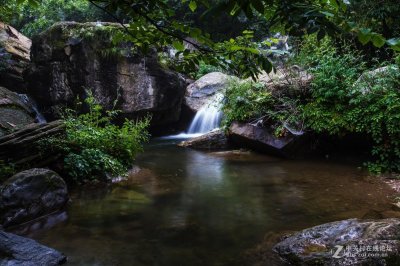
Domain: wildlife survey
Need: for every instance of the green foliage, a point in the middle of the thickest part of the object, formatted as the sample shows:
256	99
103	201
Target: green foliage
34	16
334	76
158	24
104	36
9	8
342	102
252	102
94	147
205	69
312	50
246	100
375	109
90	164
379	16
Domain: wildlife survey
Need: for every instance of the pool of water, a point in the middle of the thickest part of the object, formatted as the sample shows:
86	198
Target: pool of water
186	207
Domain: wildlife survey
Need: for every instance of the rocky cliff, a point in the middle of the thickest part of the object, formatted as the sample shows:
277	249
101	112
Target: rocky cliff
14	58
70	59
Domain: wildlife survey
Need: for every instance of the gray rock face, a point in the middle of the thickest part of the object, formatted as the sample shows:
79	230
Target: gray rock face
67	64
214	140
14	58
287	81
361	242
204	89
17	250
31	194
263	140
14	113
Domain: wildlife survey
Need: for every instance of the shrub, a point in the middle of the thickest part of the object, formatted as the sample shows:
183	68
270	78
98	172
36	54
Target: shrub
341	103
375	109
245	100
94	148
248	101
334	76
205	69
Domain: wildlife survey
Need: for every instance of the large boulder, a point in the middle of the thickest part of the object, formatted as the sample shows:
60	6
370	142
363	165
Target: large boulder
31	194
14	112
203	90
287	81
14	58
376	77
18	250
71	59
214	140
262	139
348	242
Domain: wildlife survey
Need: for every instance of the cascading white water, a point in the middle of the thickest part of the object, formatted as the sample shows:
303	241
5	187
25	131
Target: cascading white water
207	118
31	103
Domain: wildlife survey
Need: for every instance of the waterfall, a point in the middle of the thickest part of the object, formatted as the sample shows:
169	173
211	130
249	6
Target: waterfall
32	104
207	118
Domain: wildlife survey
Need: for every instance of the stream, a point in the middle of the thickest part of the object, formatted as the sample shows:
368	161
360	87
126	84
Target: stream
186	207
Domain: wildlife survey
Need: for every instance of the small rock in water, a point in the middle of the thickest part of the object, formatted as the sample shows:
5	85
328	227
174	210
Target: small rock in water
214	140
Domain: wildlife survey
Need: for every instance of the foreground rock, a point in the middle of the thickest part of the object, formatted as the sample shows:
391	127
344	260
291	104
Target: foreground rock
17	250
263	140
14	113
22	148
202	91
67	63
31	194
361	242
14	58
214	140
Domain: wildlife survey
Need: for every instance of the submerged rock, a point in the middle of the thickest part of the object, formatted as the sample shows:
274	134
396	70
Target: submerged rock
263	140
348	242
14	113
214	140
17	250
14	58
31	194
202	91
67	64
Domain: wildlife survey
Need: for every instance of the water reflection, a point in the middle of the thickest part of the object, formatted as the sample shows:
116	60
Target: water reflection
41	224
192	208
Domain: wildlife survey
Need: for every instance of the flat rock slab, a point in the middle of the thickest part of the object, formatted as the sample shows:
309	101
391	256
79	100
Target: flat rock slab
21	147
348	242
261	139
21	251
214	140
